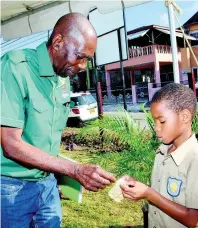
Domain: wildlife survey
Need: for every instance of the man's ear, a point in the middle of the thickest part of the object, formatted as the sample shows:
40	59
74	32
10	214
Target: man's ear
186	116
57	42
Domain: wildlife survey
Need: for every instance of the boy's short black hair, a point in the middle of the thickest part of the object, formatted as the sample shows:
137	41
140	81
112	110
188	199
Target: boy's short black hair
178	97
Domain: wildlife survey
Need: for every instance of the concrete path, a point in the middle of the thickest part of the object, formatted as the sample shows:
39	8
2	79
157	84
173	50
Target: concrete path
138	116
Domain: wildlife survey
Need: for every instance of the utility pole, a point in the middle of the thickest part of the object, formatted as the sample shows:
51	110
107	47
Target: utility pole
170	4
98	88
88	76
48	34
121	57
122	70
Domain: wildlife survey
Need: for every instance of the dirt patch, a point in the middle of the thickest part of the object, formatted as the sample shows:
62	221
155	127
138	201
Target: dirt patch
70	141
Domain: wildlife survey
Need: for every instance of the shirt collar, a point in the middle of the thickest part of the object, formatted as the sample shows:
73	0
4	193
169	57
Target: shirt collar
179	154
45	64
162	149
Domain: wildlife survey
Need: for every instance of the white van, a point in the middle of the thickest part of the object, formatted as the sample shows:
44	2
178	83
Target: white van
83	108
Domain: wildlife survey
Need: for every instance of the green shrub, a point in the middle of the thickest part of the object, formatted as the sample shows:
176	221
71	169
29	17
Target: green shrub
122	131
195	124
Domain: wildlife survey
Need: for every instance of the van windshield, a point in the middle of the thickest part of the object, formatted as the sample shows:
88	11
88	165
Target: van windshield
83	100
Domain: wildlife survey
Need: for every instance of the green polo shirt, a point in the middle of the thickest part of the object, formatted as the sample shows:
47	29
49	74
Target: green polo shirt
36	100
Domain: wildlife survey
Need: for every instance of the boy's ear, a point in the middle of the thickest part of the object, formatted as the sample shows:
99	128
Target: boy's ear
186	116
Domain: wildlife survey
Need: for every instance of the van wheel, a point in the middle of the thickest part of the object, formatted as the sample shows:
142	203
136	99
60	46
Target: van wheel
80	123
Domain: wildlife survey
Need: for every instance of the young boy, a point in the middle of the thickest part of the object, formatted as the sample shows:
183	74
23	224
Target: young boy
173	195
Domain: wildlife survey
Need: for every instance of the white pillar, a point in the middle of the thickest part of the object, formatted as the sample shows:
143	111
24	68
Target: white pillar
173	43
134	94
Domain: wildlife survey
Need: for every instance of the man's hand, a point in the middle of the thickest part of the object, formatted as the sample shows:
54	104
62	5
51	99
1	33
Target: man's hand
93	177
134	190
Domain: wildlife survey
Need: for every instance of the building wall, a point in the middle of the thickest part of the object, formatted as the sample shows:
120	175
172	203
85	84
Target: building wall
168	58
192	60
193	28
185	59
132	62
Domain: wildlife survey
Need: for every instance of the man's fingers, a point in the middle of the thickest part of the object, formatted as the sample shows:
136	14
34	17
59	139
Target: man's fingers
100	179
93	178
105	175
95	187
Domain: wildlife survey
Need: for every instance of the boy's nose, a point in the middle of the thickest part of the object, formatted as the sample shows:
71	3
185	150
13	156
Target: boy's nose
157	128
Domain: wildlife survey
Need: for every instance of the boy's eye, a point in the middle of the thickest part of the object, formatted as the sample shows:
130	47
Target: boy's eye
162	122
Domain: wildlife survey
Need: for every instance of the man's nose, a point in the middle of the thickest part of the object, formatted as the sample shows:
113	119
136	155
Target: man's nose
83	66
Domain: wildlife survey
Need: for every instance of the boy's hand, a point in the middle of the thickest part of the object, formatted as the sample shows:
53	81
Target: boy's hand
134	190
129	180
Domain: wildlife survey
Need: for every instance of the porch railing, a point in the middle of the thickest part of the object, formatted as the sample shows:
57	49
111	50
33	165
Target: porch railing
149	50
163	49
141	51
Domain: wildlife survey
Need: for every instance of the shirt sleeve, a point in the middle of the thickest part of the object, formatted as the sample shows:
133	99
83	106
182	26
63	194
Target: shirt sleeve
192	185
12	100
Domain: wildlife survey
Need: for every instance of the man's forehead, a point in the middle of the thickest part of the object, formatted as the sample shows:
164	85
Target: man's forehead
86	51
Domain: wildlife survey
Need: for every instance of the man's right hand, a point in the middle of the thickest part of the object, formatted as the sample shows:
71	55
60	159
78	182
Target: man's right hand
93	177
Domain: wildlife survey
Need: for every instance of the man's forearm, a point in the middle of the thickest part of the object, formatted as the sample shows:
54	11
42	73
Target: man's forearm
35	157
174	210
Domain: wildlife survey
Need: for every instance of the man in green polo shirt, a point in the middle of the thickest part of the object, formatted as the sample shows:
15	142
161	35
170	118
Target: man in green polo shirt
35	95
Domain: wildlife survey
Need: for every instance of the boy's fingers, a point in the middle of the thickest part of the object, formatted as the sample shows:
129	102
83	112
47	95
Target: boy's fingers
128	187
128	196
128	178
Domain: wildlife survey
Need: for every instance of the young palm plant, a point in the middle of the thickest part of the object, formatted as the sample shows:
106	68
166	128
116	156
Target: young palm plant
138	146
195	124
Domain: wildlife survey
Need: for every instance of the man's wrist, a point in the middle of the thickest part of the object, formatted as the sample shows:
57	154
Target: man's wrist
76	170
70	168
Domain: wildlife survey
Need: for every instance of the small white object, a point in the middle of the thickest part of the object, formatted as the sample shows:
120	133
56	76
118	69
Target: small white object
116	193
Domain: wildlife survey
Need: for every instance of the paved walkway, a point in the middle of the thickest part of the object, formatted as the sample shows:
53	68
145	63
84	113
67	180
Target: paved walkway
133	109
118	107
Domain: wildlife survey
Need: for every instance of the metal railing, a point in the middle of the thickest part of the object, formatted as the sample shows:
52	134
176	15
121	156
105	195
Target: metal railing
141	51
149	50
114	96
163	49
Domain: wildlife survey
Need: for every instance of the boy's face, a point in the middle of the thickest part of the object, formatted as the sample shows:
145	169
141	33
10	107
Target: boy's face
168	124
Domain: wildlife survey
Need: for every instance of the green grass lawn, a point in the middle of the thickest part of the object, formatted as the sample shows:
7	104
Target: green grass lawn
97	209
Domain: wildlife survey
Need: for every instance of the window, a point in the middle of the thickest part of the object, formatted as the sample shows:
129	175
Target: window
195	70
194	33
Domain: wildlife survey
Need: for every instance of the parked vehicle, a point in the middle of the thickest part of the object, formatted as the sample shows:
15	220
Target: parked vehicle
83	108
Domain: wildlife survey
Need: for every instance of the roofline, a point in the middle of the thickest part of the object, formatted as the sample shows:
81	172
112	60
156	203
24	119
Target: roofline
150	27
187	23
